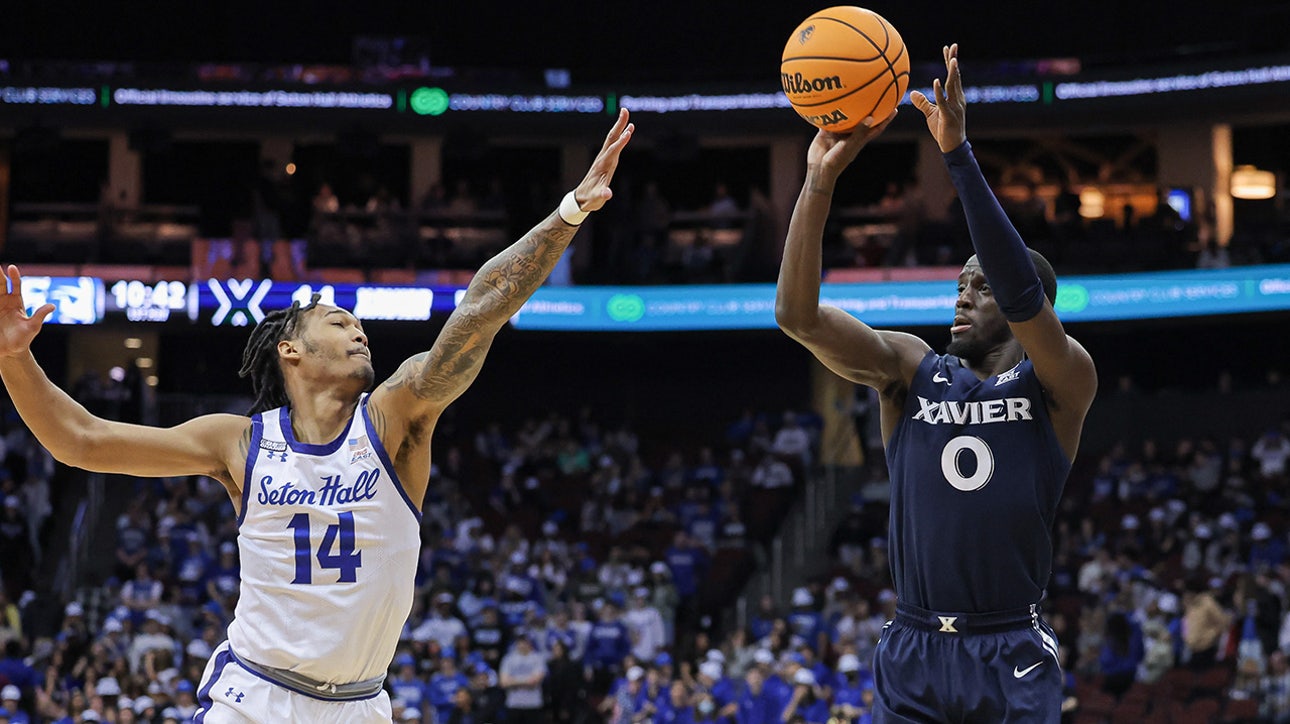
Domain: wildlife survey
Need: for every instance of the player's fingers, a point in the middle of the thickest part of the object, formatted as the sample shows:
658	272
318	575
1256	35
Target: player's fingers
623	137
860	133
617	130
954	83
921	103
609	154
945	54
44	311
938	90
15	280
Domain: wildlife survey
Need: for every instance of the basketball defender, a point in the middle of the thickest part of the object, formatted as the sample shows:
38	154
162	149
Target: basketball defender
327	480
978	441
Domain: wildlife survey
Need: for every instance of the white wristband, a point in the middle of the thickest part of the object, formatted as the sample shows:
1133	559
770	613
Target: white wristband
570	212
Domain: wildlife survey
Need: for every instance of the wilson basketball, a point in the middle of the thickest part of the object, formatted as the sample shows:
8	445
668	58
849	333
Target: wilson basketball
843	64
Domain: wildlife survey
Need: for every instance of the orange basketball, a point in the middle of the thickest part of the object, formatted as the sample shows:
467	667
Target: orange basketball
843	64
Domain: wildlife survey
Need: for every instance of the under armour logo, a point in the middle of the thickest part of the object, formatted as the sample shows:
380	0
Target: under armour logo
279	456
947	624
236	699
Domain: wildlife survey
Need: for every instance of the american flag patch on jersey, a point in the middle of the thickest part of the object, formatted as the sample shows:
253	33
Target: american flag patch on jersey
359	449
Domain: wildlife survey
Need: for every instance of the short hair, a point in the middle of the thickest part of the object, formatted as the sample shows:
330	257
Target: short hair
1047	276
260	357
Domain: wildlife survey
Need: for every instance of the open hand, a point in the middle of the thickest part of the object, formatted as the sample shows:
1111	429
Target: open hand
945	118
16	328
594	190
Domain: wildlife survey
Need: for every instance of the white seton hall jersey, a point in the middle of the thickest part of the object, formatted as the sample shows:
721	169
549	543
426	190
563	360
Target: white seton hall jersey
329	543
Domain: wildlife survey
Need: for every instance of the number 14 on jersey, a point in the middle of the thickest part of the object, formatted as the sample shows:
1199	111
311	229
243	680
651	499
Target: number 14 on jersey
338	537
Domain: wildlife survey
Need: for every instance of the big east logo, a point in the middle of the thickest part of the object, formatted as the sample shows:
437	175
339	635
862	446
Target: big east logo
359	449
805	34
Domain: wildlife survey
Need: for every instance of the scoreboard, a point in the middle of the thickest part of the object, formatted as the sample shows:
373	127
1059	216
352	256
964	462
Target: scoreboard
244	302
141	301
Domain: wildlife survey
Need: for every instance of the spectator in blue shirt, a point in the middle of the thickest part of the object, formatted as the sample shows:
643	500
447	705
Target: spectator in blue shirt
1121	653
688	563
806	622
609	642
711	680
706	471
654	693
516	604
763	619
559	629
444	685
808	701
10	702
1266	549
15	670
193	570
407	686
675	708
756	704
852	688
226	573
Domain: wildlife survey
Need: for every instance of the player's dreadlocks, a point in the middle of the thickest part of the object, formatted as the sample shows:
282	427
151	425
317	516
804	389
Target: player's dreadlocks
260	358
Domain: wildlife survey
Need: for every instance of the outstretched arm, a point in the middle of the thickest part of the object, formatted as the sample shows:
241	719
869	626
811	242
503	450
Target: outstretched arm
426	383
1063	366
202	446
844	344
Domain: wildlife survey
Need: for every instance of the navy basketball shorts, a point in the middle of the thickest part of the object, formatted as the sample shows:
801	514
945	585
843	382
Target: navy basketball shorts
944	668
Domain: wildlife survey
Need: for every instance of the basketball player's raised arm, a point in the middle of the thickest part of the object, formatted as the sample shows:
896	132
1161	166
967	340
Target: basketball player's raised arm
80	439
428	382
844	344
1063	366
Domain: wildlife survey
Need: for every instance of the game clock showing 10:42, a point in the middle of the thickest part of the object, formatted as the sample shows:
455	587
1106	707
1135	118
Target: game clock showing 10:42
151	301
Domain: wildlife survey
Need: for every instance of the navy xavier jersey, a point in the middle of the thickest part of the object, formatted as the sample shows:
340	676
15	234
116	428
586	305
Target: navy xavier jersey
976	473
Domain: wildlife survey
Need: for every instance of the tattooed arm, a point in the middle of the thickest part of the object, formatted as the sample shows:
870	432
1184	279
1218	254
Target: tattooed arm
405	407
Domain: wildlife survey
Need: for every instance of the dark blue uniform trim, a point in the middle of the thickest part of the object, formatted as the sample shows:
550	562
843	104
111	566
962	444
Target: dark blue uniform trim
967	623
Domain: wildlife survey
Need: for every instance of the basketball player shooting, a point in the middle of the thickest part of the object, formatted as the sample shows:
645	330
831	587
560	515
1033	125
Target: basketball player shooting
979	442
326	479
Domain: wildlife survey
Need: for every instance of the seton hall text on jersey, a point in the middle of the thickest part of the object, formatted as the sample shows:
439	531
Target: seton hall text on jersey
334	491
972	412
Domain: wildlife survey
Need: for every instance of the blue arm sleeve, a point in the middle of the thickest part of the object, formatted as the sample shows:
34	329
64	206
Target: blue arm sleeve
1003	255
